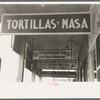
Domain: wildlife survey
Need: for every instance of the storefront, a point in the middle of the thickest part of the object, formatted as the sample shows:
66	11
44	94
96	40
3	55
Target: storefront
52	44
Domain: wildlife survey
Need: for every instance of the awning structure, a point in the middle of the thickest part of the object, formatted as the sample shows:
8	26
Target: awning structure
45	49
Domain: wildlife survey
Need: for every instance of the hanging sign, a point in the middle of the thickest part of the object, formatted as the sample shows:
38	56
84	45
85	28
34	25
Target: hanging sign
57	64
52	54
58	74
45	23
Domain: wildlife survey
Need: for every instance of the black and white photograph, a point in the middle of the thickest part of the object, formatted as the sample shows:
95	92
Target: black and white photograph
46	46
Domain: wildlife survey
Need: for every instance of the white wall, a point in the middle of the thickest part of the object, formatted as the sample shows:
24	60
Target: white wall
9	63
27	75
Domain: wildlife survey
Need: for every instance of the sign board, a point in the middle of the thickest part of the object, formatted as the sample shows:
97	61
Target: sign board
45	23
52	54
58	74
57	64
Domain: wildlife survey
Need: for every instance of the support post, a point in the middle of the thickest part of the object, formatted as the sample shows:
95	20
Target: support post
40	77
33	73
33	76
34	64
21	61
90	67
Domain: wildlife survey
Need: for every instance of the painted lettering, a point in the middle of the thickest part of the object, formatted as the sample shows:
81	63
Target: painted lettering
84	24
9	23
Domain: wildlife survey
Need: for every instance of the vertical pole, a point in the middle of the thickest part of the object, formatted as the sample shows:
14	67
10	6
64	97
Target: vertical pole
33	76
90	67
33	65
53	75
98	75
85	71
21	61
68	74
71	49
40	77
79	76
33	73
